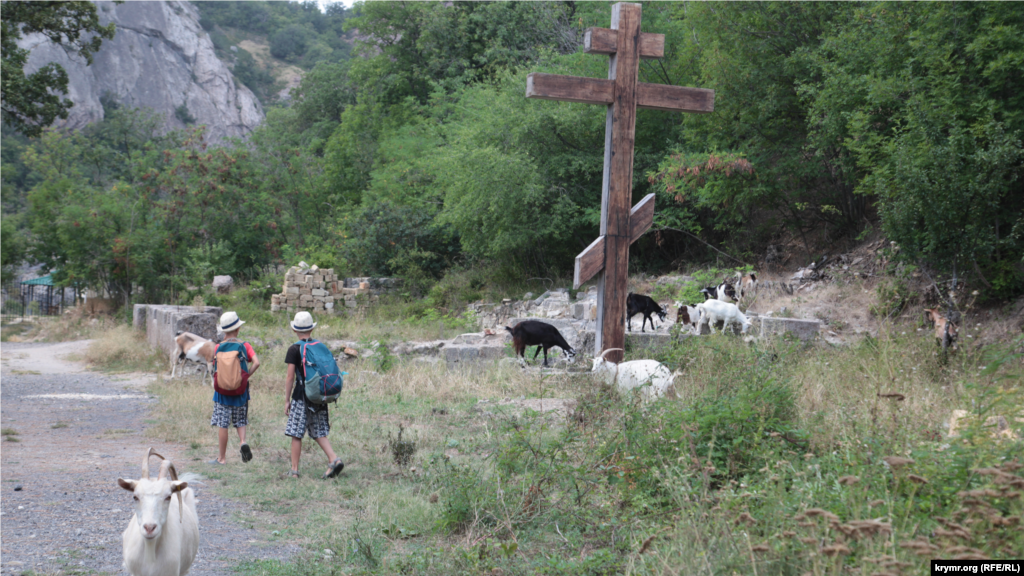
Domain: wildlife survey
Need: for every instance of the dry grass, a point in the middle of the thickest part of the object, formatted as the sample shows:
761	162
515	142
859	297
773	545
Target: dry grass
373	492
75	324
122	349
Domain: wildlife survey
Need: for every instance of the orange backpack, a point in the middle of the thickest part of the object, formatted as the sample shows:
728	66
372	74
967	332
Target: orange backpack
230	369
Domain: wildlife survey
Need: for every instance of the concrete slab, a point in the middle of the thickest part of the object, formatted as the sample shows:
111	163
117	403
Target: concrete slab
803	329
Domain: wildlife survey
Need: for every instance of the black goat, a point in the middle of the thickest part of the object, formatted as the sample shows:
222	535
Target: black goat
724	292
640	304
539	334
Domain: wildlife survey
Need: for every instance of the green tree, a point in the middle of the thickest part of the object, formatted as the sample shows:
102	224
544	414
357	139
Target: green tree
33	102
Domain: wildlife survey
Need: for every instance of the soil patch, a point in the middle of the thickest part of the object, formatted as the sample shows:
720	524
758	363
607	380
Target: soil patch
69	434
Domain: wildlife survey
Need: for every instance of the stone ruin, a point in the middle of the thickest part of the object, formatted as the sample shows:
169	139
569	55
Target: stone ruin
312	288
321	290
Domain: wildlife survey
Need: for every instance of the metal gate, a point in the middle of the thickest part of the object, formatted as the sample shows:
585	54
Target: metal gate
36	297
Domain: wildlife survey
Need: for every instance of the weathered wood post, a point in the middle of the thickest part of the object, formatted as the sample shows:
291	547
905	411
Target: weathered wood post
622	93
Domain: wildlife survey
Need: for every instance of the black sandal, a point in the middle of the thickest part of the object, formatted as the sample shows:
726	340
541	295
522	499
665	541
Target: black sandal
336	467
246	453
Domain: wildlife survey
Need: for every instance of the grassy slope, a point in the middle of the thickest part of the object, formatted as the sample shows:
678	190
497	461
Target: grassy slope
713	483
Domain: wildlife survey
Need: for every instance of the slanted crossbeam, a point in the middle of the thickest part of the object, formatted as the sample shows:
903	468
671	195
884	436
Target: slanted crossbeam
623	94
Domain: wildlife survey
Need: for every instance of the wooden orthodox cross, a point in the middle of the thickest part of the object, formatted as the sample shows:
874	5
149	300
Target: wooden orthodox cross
622	93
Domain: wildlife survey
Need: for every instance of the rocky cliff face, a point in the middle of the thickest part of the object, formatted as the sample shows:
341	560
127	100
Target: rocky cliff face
160	58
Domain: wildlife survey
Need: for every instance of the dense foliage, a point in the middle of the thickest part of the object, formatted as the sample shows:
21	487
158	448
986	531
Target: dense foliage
420	152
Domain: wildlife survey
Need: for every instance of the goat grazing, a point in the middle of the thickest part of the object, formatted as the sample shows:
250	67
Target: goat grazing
160	540
652	377
745	285
640	304
714	311
723	292
539	334
945	329
687	316
188	346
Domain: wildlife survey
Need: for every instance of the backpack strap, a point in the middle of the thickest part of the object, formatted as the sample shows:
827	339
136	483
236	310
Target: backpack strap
302	347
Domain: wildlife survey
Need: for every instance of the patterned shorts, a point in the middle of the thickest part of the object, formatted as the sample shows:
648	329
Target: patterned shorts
301	420
224	415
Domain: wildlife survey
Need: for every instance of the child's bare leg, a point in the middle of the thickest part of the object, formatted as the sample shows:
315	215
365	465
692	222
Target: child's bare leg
325	445
222	441
296	452
241	434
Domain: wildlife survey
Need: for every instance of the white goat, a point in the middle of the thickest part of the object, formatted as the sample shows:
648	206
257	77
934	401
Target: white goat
160	540
188	346
653	376
714	311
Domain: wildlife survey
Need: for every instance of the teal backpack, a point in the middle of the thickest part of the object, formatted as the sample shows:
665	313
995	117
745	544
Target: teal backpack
320	370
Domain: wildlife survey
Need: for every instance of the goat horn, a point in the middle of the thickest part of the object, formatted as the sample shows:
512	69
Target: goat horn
145	462
166	465
610	350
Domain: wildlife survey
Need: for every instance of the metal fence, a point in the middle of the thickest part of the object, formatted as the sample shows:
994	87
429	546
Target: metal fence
22	301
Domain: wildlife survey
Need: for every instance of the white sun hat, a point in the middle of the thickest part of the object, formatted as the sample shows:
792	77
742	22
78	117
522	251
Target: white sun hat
303	322
229	321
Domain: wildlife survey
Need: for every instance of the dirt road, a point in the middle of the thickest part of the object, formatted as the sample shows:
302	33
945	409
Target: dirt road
76	433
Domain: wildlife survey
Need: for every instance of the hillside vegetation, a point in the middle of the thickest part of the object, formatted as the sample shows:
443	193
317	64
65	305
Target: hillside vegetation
419	154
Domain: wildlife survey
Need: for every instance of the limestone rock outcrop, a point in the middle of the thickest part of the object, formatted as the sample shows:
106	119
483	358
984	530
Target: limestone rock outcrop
160	58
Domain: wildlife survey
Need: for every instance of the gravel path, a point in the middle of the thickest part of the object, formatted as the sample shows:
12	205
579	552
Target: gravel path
77	432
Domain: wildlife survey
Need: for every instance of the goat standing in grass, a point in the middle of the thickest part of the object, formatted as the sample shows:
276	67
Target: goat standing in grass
539	334
160	540
687	316
641	304
723	292
745	285
715	311
189	346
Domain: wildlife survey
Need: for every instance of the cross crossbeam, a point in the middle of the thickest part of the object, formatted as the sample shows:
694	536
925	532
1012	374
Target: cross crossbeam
622	93
599	91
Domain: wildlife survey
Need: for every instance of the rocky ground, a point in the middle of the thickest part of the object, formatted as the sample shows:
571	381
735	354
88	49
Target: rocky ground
68	435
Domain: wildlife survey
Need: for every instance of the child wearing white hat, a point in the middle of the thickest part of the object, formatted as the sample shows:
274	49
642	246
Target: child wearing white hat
304	416
232	406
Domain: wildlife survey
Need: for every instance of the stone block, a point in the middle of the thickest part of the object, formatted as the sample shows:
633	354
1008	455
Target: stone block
139	316
223	284
328	298
328	305
803	329
289	277
454	355
648	341
275	299
306	291
275	307
492	352
350	303
319	292
577	311
292	290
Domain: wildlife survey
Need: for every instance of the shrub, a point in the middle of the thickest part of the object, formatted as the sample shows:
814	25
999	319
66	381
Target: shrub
289	43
